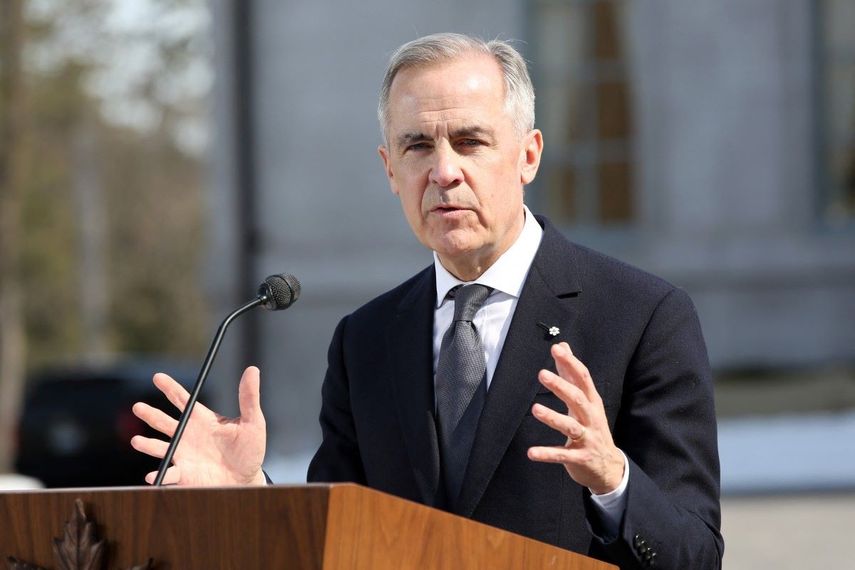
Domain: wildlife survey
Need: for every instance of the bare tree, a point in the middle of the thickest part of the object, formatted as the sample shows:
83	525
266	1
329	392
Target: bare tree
12	338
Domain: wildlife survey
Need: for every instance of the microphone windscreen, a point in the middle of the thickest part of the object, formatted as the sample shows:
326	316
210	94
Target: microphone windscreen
281	291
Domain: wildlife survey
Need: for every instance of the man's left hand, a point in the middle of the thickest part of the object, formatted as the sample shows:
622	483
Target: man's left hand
589	455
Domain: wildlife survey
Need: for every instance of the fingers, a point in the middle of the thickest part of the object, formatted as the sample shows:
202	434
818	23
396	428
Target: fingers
576	400
149	446
589	456
173	391
562	423
172	476
563	455
176	394
572	369
249	395
155	419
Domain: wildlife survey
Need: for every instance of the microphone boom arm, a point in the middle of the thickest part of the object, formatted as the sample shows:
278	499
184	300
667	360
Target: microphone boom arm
197	387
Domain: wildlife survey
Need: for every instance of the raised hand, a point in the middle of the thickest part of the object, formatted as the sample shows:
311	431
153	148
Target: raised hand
214	450
589	455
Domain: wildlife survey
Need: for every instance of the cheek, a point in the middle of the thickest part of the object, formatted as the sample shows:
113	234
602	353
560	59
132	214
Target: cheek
411	202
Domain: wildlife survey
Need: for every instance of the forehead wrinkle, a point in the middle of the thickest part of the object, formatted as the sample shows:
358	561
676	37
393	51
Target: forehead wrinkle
450	119
445	114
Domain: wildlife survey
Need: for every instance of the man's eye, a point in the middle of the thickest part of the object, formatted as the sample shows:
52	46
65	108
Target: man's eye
418	146
470	142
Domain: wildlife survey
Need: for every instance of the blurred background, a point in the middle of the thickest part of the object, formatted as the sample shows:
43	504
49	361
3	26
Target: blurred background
159	158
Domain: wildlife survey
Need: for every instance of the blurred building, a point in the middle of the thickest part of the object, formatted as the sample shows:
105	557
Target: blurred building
710	142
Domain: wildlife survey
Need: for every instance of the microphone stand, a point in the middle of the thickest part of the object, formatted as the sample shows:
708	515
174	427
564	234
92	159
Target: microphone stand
197	387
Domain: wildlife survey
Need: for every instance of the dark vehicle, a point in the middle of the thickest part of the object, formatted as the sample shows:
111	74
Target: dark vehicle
77	423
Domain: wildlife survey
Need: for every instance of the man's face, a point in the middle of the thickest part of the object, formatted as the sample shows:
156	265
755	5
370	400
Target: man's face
456	161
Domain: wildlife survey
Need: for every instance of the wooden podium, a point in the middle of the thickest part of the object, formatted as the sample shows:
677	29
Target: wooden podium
317	527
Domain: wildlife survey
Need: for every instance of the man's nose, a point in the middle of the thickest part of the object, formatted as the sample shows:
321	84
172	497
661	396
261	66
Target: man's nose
446	169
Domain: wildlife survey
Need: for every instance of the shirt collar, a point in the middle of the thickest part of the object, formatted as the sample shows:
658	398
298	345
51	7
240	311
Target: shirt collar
507	274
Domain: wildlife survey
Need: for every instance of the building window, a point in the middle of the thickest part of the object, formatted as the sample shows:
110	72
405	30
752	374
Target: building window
584	108
837	109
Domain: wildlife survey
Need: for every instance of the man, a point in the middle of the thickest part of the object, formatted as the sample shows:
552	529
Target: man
589	421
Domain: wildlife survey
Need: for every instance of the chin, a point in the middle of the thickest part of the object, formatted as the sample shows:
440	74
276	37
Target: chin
455	246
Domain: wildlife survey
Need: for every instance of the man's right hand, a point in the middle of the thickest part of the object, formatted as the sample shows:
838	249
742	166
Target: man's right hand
214	450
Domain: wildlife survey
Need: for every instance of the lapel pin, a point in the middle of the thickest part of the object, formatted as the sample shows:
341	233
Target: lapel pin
551	331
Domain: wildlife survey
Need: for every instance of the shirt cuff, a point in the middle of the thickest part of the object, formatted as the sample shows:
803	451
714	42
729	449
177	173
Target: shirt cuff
611	505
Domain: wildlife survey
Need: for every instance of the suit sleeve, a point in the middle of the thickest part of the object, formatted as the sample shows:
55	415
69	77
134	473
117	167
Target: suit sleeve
666	426
338	458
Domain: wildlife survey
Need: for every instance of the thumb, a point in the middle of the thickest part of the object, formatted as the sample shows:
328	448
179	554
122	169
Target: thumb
249	395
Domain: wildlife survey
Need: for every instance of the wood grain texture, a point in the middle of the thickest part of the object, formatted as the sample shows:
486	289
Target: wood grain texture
179	528
310	527
367	530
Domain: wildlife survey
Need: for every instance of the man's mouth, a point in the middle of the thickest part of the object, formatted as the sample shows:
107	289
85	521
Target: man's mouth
448	208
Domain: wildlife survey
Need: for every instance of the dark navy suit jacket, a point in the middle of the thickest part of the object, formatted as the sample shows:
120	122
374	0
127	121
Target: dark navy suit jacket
640	338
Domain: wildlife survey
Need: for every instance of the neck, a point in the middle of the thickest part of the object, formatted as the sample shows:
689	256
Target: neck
468	271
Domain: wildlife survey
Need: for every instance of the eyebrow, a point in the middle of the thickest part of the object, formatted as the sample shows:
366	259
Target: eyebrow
473	131
414	137
407	139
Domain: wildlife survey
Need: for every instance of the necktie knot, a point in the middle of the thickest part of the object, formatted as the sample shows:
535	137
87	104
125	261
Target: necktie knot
468	299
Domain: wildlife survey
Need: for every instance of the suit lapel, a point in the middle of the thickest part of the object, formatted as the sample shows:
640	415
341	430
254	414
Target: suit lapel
410	342
549	297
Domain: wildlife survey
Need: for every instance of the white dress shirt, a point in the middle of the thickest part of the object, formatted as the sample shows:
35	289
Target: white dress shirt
506	277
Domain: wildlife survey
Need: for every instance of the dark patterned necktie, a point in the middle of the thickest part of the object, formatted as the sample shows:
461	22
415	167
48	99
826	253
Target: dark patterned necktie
461	386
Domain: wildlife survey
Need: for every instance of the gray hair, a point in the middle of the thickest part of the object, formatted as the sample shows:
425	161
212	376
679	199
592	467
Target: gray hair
437	48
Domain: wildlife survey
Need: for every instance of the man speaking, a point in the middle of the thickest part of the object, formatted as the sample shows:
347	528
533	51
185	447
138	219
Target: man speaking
520	380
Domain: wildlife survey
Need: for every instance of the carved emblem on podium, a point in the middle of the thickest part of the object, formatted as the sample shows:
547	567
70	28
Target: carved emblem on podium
78	549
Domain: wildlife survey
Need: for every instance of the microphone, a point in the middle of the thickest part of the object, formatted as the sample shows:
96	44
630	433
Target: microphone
278	292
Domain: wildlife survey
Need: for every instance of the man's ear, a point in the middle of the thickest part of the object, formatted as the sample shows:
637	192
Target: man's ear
530	158
387	166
